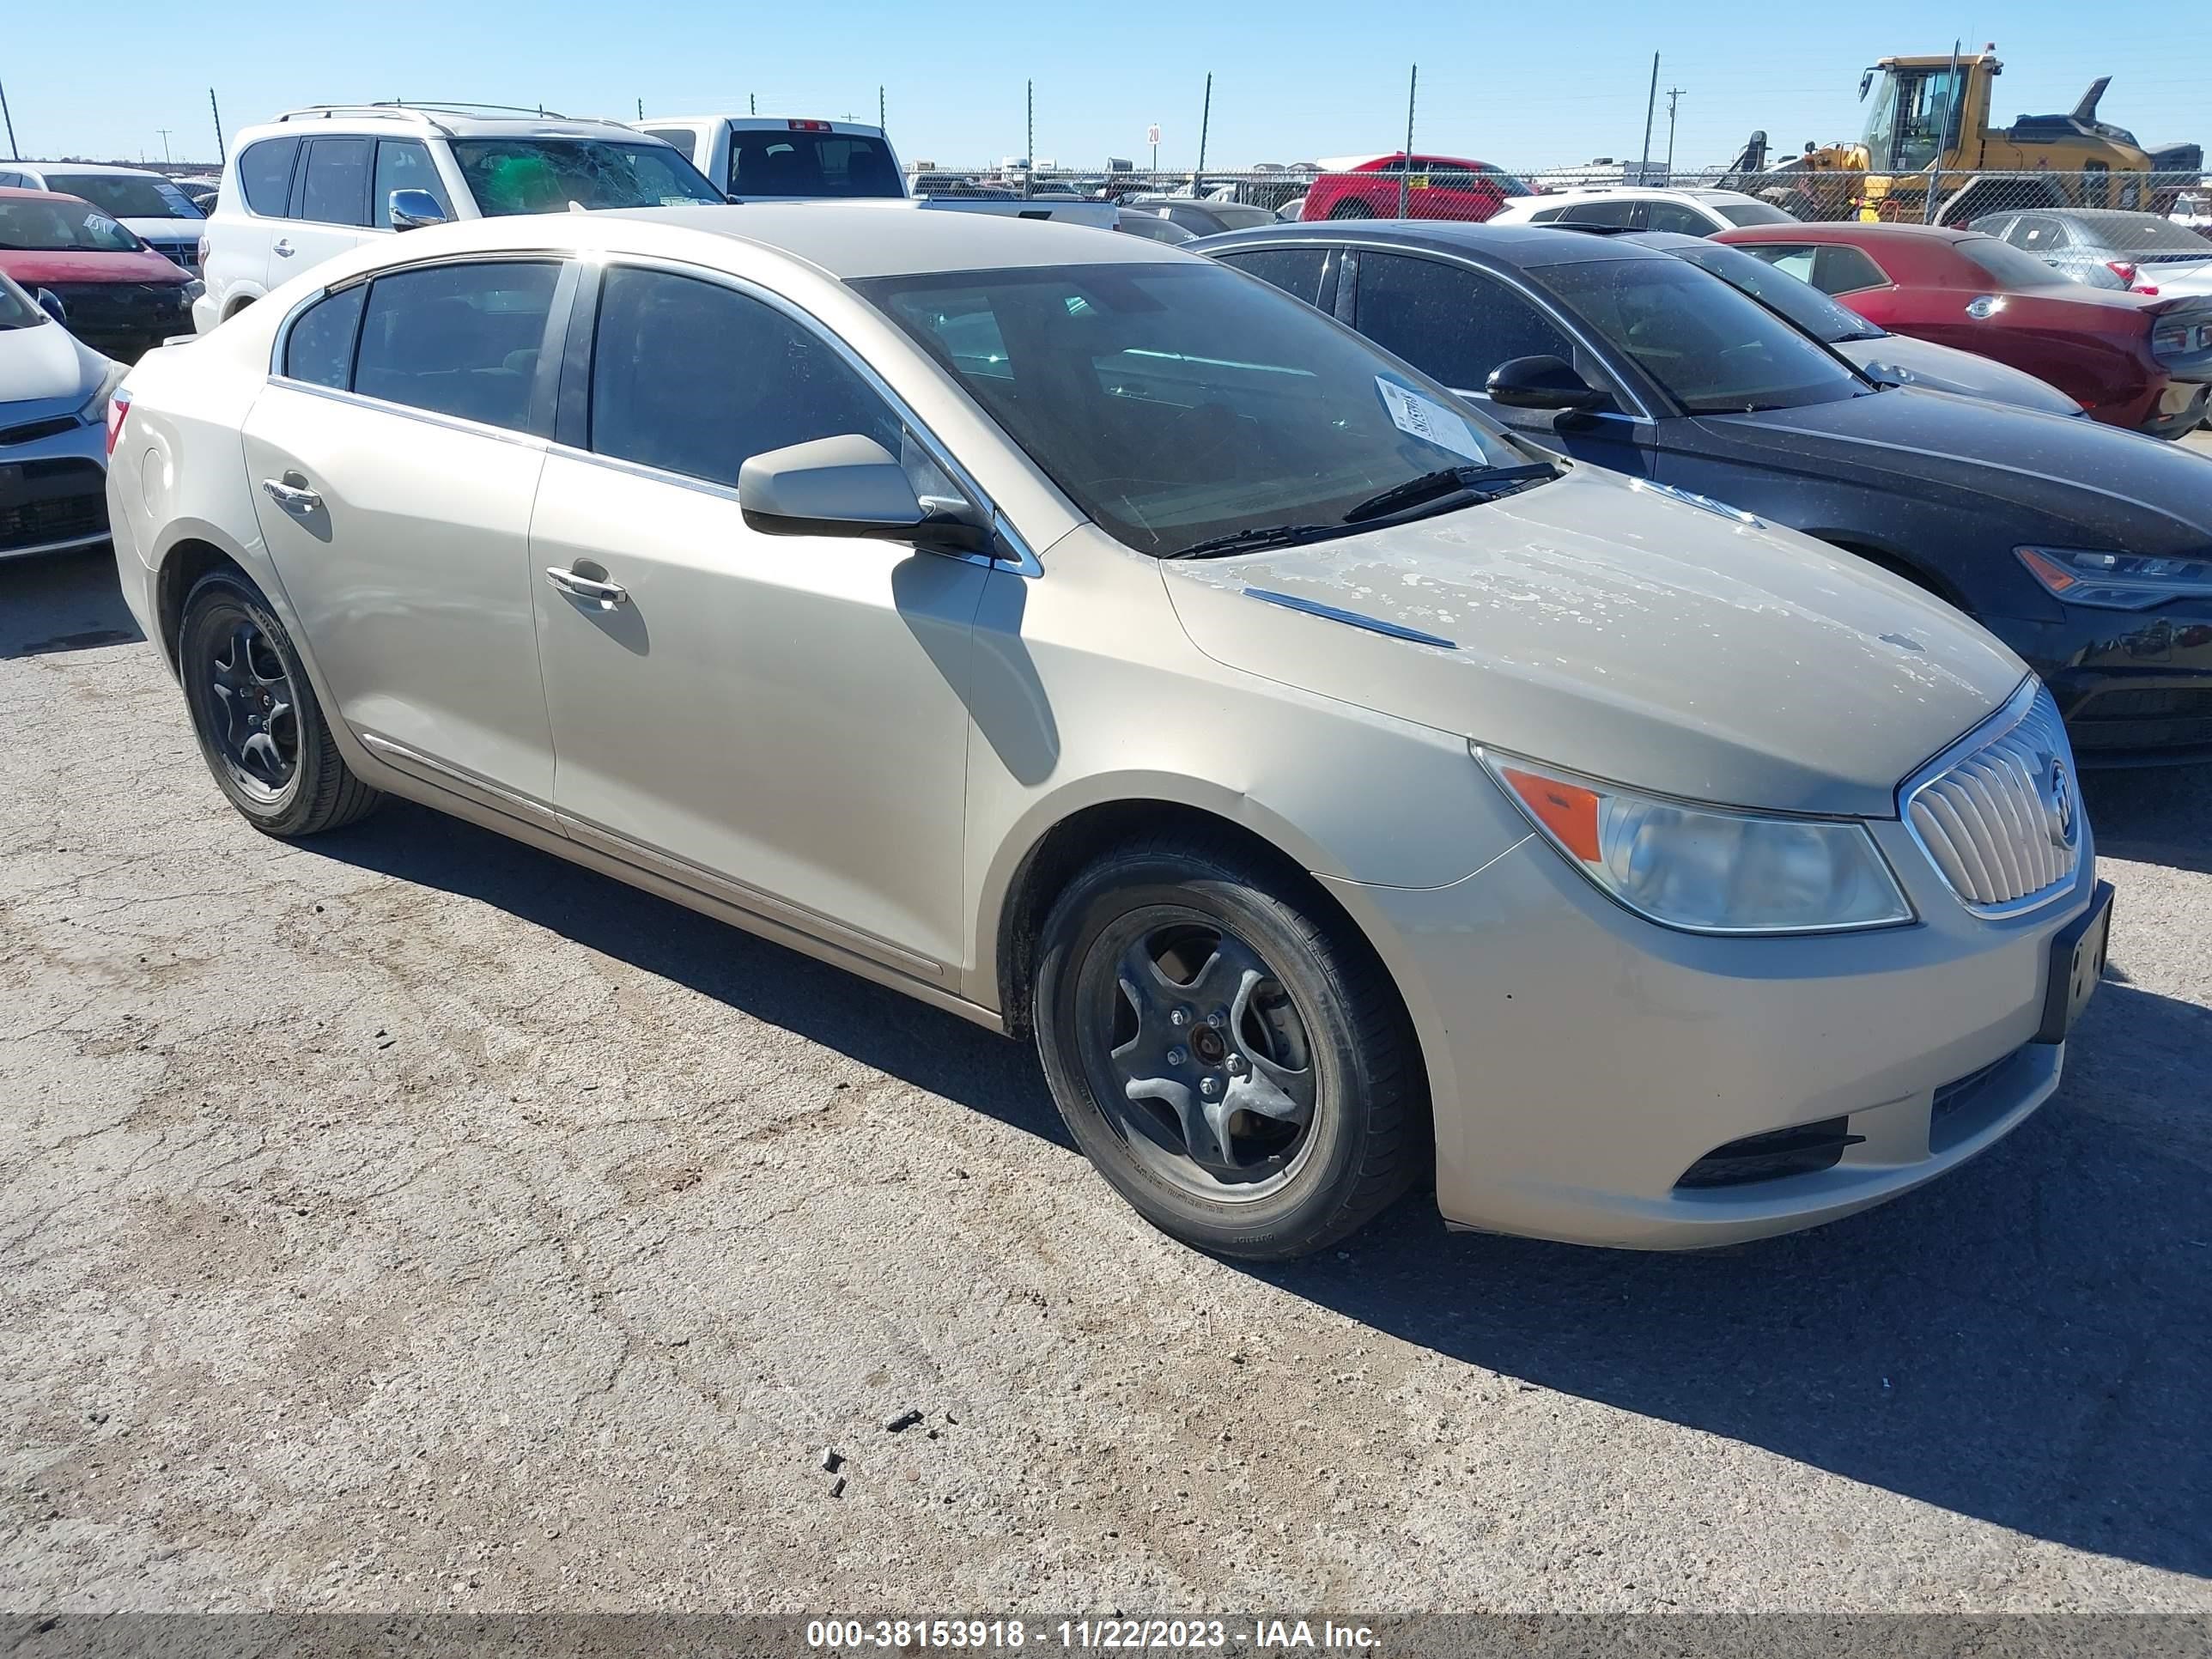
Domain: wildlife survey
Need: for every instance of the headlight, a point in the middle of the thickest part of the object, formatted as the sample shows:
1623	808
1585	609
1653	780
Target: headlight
1708	869
192	291
94	410
2116	581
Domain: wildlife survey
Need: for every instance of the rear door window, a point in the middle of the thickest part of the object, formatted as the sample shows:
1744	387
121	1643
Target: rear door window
679	139
691	377
1679	217
1605	211
1455	323
405	164
1296	270
334	182
461	339
264	175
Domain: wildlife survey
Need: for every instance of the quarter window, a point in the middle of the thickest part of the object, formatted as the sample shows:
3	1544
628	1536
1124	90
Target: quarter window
404	164
265	174
336	187
320	348
461	340
1841	270
695	378
1456	324
1296	270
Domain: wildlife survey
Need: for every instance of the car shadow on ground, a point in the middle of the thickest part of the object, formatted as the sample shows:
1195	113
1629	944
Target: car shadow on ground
57	602
2025	1342
2153	815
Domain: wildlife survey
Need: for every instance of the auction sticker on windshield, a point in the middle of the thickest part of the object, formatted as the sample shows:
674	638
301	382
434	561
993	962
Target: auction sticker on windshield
1427	420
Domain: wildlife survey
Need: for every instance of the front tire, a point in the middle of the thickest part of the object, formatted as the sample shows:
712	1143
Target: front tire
260	729
1232	1060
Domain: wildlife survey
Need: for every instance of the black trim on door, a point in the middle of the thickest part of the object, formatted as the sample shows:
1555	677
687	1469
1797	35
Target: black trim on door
572	408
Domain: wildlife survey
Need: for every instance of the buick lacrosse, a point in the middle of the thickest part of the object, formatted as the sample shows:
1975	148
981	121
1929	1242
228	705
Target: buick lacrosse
1094	642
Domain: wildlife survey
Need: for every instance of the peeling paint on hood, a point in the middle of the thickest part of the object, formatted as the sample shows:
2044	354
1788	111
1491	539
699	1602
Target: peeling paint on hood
1609	630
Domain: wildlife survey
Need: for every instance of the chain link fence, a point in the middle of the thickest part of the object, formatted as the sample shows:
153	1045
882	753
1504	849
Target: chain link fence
2083	223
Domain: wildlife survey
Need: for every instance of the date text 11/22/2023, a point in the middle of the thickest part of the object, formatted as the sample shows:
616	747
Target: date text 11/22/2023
1250	1636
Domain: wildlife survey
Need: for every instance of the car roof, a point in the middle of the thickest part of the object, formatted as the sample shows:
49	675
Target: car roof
1526	245
433	121
1849	230
1669	192
2113	218
843	240
88	166
756	123
15	193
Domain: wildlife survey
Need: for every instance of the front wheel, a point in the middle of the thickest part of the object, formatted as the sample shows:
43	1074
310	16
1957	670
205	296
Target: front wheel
260	729
1234	1061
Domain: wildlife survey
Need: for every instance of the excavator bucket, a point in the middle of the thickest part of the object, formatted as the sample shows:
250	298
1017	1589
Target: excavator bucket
2085	111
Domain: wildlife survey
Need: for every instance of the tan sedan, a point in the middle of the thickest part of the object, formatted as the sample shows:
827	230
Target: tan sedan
1095	642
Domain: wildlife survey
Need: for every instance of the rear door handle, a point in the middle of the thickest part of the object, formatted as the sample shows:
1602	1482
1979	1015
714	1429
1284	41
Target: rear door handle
605	595
284	247
292	497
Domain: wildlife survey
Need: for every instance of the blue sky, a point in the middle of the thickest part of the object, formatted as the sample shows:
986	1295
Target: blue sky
1524	87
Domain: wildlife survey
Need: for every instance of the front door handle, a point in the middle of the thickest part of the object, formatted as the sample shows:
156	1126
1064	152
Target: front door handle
292	497
605	595
284	247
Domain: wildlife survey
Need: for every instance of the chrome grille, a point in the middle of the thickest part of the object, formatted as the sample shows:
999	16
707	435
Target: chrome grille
1999	813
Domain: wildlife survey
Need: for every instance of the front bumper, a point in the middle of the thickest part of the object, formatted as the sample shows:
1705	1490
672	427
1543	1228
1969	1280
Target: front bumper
53	490
1583	1062
2135	686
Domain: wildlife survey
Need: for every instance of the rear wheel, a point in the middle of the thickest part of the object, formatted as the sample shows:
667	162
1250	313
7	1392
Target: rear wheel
260	729
1237	1068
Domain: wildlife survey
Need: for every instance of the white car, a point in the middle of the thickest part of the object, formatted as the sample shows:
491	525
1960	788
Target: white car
1632	207
54	403
146	205
315	183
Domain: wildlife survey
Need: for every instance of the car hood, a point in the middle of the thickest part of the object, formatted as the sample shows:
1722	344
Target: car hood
44	365
2096	485
1896	357
31	268
1614	630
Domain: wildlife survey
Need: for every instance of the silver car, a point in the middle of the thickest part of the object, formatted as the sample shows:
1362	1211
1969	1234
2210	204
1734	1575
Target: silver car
1092	641
53	431
2110	248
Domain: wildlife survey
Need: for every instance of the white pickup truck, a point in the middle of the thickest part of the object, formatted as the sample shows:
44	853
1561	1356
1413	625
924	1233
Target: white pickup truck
763	158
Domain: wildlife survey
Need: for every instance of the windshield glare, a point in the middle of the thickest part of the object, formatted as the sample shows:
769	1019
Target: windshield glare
1800	302
543	175
126	195
1710	349
36	227
1175	404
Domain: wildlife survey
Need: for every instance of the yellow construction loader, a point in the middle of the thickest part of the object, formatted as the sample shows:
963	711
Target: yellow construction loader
1929	155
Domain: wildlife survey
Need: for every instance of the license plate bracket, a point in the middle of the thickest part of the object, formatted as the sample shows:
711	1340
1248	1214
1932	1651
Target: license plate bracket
2077	963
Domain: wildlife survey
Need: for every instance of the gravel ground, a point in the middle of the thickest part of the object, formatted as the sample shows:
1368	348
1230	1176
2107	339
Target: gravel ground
409	1220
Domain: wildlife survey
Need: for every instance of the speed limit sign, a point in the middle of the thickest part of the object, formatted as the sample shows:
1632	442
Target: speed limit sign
1152	133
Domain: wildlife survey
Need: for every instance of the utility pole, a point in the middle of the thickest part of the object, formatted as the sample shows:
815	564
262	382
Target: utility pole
1205	121
164	131
1029	143
1406	162
1674	97
14	154
1650	109
751	108
215	110
880	107
641	109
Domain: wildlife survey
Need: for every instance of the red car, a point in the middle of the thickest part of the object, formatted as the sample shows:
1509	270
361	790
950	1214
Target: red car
2127	359
109	289
1440	187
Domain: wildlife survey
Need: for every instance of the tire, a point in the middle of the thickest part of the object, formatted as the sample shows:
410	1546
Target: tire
1250	1181
1352	209
260	729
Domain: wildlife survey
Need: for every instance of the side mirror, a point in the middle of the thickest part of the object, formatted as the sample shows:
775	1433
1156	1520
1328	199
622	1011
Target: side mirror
51	303
850	486
411	209
1540	383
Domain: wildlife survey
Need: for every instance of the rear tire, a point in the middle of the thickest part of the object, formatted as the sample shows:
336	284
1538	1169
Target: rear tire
1259	1095
260	729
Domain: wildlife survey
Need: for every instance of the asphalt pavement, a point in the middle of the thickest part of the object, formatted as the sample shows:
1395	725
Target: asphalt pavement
409	1220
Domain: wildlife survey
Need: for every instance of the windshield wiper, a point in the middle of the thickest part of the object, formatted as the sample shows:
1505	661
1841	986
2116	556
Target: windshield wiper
1489	481
1252	540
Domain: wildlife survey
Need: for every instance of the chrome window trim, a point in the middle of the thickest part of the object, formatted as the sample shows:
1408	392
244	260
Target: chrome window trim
1025	563
2016	708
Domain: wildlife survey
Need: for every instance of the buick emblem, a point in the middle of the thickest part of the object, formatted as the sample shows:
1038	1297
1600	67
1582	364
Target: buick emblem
2057	789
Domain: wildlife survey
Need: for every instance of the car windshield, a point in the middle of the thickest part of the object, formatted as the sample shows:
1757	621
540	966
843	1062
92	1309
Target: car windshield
17	308
2009	268
1752	213
1711	349
1800	302
543	175
1175	404
773	164
126	195
37	226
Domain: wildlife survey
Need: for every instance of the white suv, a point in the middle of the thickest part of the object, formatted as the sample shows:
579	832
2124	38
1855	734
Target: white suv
1633	207
146	203
316	182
